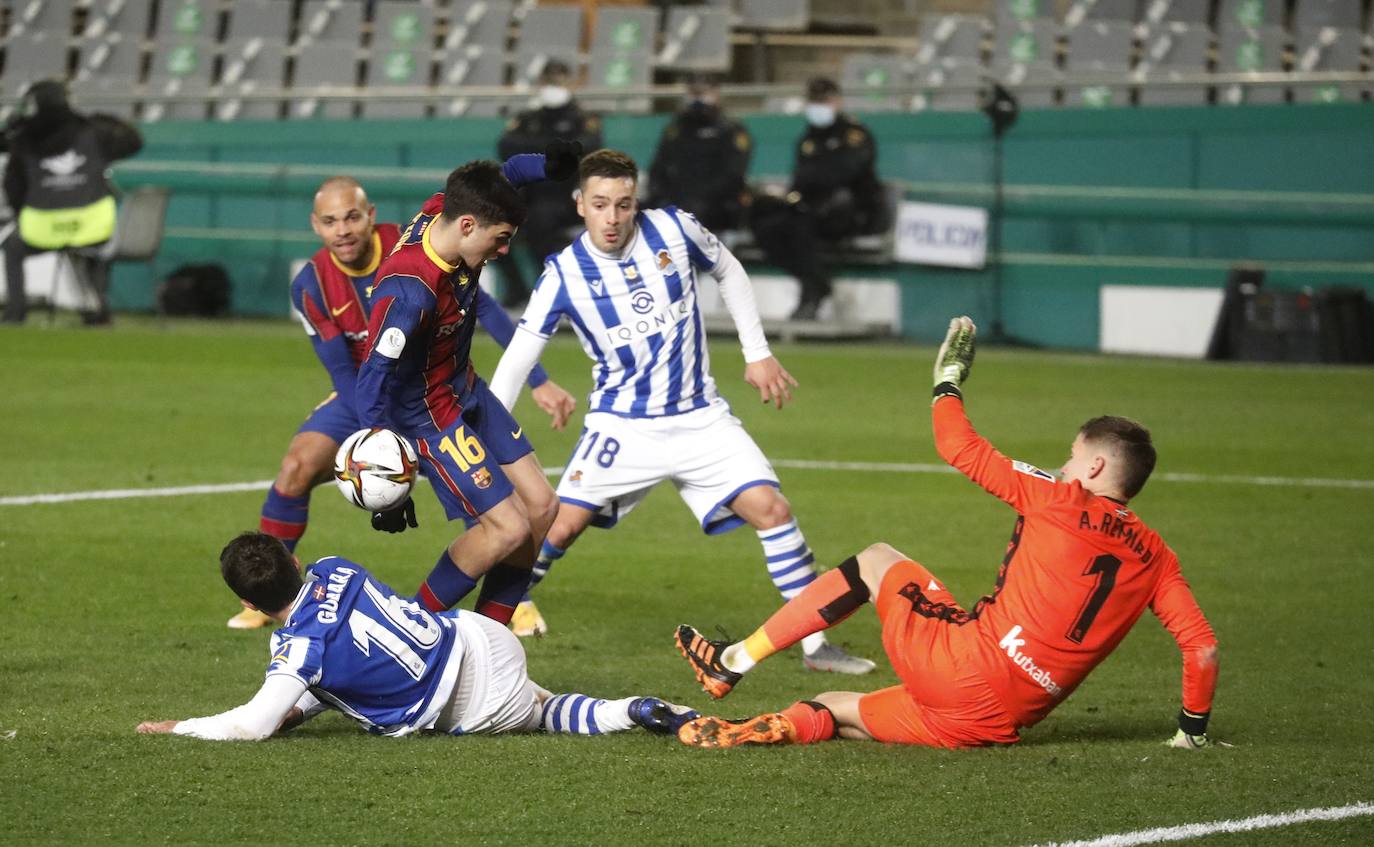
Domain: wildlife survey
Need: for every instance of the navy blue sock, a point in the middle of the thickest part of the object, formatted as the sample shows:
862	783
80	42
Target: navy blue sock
502	588
446	585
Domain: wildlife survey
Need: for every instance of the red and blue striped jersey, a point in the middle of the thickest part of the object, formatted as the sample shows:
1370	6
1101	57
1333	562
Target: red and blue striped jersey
418	373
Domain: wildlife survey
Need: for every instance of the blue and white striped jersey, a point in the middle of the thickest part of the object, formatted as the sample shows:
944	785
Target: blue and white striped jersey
636	315
378	658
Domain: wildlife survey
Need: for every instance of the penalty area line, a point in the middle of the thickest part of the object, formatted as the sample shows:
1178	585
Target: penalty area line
1198	830
791	464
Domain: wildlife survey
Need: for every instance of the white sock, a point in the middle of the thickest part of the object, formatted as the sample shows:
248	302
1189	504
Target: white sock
578	714
736	658
788	557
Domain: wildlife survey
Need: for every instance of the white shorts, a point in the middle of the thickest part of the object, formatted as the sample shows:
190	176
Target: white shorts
706	453
493	692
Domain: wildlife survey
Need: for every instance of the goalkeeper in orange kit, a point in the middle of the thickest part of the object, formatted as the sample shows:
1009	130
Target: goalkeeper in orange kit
1080	569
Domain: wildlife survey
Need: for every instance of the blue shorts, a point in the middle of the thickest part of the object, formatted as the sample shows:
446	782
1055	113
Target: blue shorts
332	418
464	462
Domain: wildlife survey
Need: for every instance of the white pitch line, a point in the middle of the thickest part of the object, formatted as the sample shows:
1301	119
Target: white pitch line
1198	830
794	464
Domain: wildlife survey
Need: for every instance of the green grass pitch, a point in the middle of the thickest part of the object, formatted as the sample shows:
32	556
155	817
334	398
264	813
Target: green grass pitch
113	611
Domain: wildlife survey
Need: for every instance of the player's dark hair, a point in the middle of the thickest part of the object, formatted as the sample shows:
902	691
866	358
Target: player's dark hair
1128	439
481	190
259	568
611	164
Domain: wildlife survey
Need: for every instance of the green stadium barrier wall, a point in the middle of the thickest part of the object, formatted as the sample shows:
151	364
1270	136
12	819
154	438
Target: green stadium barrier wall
1157	196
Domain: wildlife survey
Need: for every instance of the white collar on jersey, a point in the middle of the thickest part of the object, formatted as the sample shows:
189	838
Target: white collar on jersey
620	256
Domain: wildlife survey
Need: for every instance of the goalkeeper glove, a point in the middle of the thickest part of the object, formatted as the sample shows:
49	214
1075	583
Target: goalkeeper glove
955	359
396	520
561	158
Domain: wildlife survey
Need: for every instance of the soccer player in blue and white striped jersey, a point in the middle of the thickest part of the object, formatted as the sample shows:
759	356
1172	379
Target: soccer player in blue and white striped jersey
350	643
628	285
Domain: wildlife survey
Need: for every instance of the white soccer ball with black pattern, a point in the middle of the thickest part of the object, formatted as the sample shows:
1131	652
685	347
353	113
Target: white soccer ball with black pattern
375	469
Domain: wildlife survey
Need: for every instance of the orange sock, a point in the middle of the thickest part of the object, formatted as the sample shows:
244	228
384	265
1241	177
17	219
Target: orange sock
812	721
831	598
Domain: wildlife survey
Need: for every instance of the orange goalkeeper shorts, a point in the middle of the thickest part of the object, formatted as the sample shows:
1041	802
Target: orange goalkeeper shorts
943	700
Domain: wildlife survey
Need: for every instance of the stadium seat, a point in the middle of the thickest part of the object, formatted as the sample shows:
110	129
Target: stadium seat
1178	11
27	19
249	65
696	38
957	38
187	19
936	80
1341	14
624	30
1251	14
470	66
128	19
269	20
31	57
179	67
1101	10
1021	11
558	27
1241	49
109	65
1026	51
782	15
319	68
866	77
474	23
613	70
329	21
1099	47
1327	48
1171	51
402	23
397	67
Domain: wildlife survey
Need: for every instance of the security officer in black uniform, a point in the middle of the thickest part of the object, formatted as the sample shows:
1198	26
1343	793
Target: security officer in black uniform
56	184
551	211
835	194
702	159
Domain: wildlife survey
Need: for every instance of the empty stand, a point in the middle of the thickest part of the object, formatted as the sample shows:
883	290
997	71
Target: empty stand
696	38
30	17
180	68
1244	49
1173	51
1099	47
471	66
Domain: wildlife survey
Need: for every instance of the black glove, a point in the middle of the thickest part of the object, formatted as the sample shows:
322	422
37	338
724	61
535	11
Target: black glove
396	520
561	158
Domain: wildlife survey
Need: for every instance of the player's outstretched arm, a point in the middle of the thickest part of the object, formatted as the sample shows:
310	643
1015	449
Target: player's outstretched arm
255	720
955	359
772	380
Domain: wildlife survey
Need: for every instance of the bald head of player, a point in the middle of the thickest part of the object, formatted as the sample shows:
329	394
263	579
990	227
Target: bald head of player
607	199
1112	457
343	218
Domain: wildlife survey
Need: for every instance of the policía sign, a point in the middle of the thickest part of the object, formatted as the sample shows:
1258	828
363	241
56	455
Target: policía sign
934	234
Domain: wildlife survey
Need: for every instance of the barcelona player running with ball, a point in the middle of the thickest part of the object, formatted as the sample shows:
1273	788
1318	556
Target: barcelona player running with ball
1079	571
331	296
418	381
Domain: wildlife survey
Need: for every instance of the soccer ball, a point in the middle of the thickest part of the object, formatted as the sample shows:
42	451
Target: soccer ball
375	469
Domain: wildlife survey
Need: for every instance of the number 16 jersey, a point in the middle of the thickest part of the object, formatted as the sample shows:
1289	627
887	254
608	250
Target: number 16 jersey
380	659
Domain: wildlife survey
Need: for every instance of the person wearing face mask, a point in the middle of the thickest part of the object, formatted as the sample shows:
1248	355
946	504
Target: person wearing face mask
56	184
835	194
550	211
702	159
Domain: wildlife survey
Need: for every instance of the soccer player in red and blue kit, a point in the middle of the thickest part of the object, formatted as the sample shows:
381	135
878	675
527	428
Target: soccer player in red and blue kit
331	296
418	381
